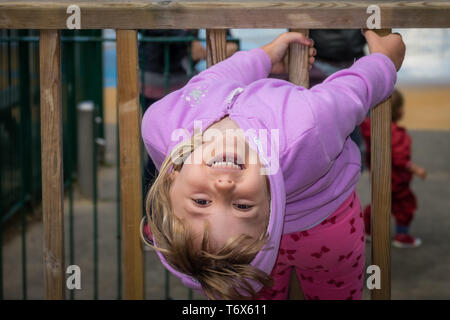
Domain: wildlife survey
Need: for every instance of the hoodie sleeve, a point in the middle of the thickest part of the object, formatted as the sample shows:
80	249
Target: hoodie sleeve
341	102
244	67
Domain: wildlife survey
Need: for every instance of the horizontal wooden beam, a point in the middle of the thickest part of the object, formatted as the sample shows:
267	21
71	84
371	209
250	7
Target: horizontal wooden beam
199	14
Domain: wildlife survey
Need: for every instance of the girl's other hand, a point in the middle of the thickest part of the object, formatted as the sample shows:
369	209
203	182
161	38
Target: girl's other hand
391	45
279	55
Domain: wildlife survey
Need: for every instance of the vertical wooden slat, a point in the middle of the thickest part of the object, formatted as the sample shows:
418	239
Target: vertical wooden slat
216	46
299	75
130	163
381	192
52	162
298	61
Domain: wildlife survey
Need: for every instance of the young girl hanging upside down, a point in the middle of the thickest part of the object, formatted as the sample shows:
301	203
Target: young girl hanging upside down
257	175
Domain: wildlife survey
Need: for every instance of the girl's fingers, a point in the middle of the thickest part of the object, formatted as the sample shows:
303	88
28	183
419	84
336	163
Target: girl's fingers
311	60
312	51
298	37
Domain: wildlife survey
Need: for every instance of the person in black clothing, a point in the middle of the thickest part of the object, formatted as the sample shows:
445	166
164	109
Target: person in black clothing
337	47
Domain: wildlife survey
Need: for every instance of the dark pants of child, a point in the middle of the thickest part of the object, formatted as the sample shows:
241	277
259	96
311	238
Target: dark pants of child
329	259
404	204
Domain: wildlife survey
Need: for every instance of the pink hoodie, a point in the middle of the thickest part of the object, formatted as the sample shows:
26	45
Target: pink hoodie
314	164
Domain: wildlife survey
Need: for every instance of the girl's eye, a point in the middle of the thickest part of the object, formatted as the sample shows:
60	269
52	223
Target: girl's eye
201	202
243	206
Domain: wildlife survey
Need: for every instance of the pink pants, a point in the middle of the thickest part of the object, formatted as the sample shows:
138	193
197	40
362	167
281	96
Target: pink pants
329	259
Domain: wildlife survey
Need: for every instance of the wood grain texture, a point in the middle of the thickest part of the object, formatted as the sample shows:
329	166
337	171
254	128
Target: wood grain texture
298	61
299	75
130	163
52	163
162	14
216	46
381	171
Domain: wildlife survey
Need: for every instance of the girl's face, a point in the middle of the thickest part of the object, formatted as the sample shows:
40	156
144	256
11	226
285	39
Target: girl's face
233	199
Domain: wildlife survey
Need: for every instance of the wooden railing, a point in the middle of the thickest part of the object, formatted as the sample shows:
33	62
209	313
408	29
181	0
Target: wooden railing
126	17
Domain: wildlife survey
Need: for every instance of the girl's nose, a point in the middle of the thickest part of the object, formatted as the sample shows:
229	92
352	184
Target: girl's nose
224	183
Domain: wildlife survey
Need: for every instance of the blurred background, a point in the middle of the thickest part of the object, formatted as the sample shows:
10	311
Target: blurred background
92	199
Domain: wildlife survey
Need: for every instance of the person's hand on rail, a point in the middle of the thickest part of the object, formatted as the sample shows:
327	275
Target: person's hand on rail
231	48
391	45
418	171
198	51
278	53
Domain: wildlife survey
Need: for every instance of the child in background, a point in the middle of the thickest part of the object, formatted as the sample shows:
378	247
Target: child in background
264	177
403	199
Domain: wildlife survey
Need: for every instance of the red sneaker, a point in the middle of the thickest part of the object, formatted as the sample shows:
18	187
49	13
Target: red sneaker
404	240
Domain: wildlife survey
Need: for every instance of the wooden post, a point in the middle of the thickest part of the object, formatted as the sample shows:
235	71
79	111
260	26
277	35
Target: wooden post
298	61
381	192
52	162
130	163
216	46
299	75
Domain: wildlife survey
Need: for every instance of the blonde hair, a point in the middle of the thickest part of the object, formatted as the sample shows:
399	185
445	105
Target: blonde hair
222	273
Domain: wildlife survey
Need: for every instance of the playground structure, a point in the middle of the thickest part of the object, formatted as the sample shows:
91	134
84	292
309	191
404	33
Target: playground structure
127	16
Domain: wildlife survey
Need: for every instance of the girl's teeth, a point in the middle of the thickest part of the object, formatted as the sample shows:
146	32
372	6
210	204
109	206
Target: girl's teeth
224	164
